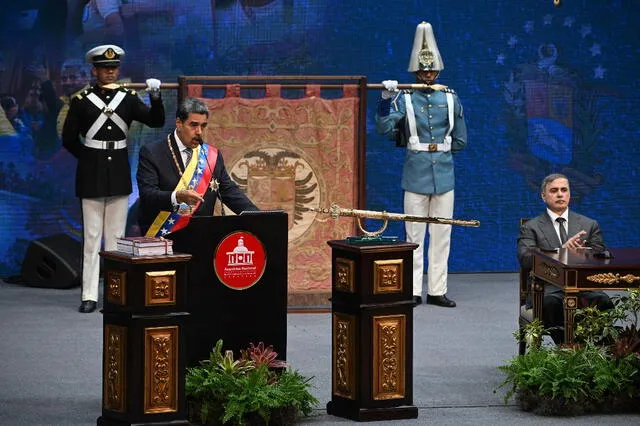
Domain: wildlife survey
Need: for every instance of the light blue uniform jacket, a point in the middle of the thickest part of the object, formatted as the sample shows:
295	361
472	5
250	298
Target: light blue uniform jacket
426	172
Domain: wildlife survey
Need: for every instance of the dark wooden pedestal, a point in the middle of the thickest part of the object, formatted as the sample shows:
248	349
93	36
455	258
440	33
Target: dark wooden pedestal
372	331
144	342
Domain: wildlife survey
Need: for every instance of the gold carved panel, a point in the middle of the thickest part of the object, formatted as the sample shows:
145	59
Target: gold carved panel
549	271
389	343
160	288
117	287
161	369
114	396
387	276
611	278
344	356
344	279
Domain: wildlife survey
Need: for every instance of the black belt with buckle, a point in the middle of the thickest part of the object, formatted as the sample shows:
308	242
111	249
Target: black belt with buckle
432	147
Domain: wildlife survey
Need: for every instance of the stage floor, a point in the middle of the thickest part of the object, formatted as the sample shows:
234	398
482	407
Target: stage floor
51	358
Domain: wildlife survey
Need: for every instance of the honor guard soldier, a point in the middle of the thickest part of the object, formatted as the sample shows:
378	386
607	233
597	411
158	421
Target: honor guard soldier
95	132
430	124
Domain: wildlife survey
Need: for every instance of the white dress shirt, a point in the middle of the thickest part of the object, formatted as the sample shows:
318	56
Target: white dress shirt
556	225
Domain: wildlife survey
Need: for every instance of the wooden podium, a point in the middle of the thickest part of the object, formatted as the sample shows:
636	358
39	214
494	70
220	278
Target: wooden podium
237	282
144	340
372	331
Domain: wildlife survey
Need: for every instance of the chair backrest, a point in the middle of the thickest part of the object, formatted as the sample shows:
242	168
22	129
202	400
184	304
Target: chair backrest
525	315
524	277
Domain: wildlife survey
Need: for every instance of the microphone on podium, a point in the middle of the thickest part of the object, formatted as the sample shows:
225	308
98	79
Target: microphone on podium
603	254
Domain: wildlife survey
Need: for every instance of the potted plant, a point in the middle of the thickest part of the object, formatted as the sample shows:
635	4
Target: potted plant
255	389
601	373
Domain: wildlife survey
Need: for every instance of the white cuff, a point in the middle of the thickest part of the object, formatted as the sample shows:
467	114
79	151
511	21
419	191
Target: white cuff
174	202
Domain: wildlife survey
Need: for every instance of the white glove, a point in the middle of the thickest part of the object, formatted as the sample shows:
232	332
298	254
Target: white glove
153	84
391	87
153	87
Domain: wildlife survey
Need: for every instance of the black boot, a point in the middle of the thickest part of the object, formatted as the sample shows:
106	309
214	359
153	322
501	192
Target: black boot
443	301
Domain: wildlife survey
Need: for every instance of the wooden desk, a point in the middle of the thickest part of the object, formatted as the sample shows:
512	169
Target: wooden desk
578	270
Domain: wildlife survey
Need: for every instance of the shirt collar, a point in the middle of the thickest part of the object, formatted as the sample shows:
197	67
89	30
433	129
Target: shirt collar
181	146
554	216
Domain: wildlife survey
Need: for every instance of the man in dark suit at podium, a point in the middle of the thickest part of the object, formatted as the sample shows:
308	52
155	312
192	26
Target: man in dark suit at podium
182	176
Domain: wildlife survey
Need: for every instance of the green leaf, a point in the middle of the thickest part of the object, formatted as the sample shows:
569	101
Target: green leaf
230	390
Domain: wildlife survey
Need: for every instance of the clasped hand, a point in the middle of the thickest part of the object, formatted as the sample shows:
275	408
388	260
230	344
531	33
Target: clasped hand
576	242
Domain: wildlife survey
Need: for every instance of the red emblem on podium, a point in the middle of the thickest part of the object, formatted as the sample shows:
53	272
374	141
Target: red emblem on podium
239	260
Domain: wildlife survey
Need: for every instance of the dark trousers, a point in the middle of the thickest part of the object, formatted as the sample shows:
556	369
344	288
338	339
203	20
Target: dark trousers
553	311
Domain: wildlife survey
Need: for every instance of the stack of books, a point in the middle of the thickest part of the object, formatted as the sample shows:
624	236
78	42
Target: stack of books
145	246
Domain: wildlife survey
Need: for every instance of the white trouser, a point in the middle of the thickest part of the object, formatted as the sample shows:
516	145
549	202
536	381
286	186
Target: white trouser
433	205
108	214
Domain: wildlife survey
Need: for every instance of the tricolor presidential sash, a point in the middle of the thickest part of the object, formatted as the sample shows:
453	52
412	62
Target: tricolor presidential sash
196	176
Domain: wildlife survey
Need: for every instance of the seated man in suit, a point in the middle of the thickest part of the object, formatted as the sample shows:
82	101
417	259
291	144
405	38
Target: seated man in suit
551	230
182	176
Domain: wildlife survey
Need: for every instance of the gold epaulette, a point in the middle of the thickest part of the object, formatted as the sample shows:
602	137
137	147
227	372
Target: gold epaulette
126	89
81	93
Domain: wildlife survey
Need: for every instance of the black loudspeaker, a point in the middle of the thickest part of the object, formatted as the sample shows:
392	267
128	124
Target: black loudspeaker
53	262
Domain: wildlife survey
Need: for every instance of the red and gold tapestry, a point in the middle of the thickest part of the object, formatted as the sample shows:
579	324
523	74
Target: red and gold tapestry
292	154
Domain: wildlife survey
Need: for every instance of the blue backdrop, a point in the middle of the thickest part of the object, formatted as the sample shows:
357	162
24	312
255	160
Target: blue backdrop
545	89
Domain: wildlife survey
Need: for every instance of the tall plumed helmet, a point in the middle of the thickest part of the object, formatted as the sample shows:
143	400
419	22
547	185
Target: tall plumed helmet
425	55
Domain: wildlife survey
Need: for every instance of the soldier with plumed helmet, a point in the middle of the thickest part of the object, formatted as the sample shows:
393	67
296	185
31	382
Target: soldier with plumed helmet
430	124
95	132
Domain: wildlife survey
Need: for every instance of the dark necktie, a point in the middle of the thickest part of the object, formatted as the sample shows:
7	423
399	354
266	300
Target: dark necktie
189	153
563	232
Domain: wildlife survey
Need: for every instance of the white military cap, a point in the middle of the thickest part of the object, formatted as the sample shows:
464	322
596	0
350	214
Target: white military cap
425	55
106	55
